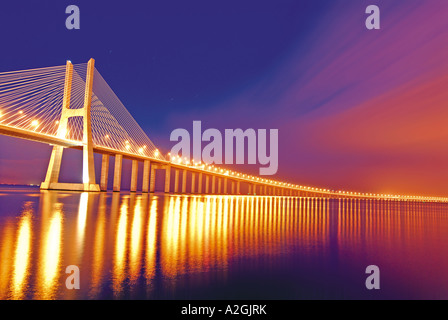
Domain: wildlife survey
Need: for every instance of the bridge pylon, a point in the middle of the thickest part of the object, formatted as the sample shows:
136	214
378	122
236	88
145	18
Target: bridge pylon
88	167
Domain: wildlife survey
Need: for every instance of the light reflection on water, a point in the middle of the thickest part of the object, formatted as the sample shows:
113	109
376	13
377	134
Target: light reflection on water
144	246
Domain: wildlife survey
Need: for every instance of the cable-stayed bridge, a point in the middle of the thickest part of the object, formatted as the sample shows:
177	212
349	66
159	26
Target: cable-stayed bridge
72	106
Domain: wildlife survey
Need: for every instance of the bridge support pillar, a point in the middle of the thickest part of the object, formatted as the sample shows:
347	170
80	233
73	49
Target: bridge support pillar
146	171
225	186
184	181
219	185
152	179
233	187
250	189
54	168
193	182
167	178
200	182
88	165
238	187
117	172
207	183
176	181
104	172
134	175
213	184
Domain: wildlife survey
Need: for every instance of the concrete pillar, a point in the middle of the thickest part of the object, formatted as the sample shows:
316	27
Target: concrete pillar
238	187
184	181
176	180
200	182
117	172
167	178
104	172
250	189
88	165
255	189
233	187
219	185
213	184
265	190
145	183
152	179
134	175
54	166
225	186
193	182
207	183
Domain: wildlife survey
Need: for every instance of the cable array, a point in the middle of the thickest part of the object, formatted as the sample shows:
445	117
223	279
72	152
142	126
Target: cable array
32	100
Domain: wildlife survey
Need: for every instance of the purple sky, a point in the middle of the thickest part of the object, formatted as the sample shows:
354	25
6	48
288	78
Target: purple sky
356	109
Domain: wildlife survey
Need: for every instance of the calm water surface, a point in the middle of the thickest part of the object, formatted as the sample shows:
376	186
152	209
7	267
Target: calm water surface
134	246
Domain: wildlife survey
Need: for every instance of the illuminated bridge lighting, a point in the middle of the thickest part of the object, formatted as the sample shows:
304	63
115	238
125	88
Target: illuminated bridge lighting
36	115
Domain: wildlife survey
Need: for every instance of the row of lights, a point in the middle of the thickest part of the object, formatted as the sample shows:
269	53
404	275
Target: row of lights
185	161
176	159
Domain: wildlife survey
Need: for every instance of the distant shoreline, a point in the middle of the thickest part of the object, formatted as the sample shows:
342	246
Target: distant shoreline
18	185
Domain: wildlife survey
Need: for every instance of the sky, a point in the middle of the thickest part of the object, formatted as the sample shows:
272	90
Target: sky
356	109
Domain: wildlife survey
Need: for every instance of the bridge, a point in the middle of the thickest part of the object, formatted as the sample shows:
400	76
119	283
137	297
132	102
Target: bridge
72	106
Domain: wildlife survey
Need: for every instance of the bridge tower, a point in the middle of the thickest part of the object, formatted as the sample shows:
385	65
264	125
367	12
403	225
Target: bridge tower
88	168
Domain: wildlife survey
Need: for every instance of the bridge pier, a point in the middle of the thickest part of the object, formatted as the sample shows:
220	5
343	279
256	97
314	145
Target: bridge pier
207	183
176	181
146	171
88	165
193	182
184	181
167	178
54	168
219	185
117	172
104	172
233	187
213	184
225	186
134	176
238	187
152	179
200	182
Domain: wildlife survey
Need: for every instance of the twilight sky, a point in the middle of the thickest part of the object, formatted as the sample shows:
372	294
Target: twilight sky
356	109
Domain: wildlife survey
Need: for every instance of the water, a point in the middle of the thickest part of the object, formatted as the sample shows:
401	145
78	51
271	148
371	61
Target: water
134	246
